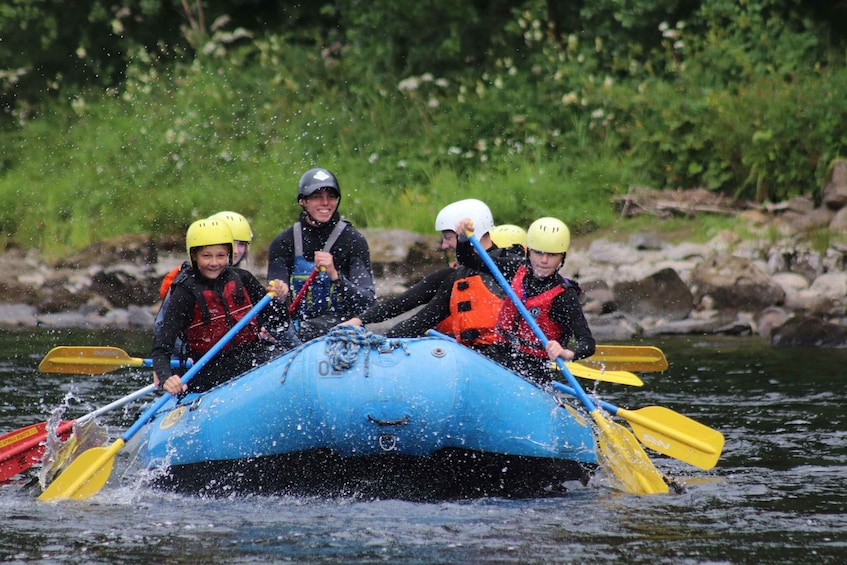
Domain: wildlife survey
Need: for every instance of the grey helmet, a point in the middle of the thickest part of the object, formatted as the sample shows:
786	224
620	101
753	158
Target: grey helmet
314	180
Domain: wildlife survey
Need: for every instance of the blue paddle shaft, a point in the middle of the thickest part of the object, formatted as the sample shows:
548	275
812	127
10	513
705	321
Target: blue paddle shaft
610	408
175	363
489	262
195	368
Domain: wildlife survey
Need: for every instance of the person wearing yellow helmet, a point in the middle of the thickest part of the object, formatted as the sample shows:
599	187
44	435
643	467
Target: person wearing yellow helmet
552	299
206	300
241	233
507	235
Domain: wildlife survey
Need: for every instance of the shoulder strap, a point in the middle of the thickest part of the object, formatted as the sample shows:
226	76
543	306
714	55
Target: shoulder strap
333	237
571	284
336	232
298	239
186	280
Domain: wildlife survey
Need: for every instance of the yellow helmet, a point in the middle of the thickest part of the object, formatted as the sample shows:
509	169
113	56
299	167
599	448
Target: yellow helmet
208	232
549	235
237	223
507	235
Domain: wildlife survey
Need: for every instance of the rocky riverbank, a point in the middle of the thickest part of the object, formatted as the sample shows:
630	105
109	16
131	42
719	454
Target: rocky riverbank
777	286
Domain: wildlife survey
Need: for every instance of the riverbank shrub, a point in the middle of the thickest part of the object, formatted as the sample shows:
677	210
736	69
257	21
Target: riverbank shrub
546	119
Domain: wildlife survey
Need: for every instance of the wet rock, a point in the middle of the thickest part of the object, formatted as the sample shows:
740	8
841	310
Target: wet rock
806	331
17	316
834	191
735	283
614	327
770	319
644	287
133	248
662	294
602	251
122	289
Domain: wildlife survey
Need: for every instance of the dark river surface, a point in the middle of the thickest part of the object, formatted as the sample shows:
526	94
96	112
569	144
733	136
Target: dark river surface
776	496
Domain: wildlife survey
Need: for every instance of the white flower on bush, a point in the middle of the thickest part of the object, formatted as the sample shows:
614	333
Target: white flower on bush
570	98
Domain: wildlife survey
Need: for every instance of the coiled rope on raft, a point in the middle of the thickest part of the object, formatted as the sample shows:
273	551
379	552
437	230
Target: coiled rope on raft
343	344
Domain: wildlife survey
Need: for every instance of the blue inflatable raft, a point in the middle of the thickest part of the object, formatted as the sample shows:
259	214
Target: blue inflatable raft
353	413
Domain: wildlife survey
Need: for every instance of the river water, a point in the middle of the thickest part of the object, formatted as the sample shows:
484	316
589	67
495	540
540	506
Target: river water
776	496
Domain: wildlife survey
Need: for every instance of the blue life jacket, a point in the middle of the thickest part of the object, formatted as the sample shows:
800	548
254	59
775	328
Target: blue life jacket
319	296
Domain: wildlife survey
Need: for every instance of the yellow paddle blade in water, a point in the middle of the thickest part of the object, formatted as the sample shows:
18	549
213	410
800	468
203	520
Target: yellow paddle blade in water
675	435
618	377
627	358
621	453
86	360
85	476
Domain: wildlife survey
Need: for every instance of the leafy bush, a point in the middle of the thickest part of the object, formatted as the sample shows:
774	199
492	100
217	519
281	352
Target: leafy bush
537	108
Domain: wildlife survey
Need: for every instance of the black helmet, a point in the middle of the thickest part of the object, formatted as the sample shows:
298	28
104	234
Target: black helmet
314	180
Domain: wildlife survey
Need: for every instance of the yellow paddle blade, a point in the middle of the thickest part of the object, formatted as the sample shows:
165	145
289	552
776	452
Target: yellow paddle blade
621	452
82	360
675	435
627	358
619	377
85	476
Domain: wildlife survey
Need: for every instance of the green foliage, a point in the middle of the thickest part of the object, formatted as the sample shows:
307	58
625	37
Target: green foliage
168	111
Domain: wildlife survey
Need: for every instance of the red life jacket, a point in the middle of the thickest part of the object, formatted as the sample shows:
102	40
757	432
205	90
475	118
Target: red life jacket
216	312
512	327
474	308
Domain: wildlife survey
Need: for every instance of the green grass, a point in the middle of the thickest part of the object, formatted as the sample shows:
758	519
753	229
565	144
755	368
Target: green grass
235	133
112	167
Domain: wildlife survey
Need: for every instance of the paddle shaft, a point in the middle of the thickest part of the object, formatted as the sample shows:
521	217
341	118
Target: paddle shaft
24	452
618	447
195	368
116	363
73	479
709	447
536	329
292	308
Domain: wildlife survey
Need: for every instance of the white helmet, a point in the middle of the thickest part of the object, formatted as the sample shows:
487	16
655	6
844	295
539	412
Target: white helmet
471	208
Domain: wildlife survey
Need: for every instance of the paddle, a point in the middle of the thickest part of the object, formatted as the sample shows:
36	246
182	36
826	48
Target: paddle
92	360
22	448
302	292
669	432
627	358
619	450
87	474
618	377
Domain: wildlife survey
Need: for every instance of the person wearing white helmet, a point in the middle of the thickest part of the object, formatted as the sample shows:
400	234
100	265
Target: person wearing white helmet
206	300
477	210
427	288
324	243
552	299
469	300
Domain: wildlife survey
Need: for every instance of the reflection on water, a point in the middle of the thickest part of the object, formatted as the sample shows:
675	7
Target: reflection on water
776	496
